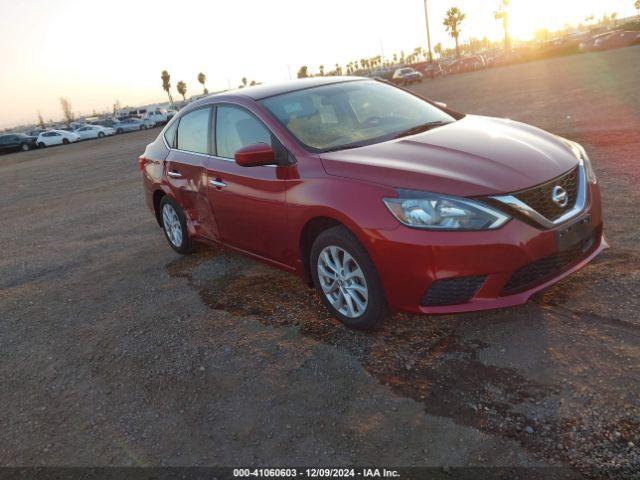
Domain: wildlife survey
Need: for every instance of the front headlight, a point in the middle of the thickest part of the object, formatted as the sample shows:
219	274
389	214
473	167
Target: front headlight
580	153
443	212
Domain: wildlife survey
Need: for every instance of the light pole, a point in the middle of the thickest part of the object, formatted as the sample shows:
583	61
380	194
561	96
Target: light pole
426	19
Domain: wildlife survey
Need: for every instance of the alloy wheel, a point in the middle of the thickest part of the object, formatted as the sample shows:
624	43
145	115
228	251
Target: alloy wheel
343	281
171	224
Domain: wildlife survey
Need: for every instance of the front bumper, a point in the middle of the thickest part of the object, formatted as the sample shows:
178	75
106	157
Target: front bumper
411	261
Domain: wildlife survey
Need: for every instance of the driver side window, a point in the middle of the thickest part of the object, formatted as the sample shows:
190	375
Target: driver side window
237	128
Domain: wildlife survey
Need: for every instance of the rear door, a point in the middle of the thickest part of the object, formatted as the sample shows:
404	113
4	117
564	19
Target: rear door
248	202
184	169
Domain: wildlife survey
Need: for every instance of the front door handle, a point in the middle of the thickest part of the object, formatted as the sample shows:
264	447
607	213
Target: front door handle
174	174
217	183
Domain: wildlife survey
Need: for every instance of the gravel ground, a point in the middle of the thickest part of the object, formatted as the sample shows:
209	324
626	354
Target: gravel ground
116	351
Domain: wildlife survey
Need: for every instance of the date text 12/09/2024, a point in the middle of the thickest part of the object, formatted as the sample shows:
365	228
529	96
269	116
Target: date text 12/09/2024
315	473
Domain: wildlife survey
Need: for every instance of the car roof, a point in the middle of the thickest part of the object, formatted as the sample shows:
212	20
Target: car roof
259	92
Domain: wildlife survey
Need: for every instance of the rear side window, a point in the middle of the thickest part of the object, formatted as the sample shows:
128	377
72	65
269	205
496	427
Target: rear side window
170	134
193	131
236	128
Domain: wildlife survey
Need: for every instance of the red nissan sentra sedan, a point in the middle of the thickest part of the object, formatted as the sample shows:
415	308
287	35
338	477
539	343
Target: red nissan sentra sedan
378	197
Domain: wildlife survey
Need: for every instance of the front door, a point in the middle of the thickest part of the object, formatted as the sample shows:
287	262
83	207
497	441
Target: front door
249	203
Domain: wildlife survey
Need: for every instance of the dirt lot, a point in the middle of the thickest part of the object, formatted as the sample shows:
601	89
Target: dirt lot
116	351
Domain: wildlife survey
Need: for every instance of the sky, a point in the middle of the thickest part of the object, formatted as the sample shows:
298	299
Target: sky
95	53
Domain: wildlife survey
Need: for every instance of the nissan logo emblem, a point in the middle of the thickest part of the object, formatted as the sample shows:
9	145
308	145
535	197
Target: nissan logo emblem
559	196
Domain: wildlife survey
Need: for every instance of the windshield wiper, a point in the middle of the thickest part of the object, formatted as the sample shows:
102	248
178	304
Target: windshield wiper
343	147
423	127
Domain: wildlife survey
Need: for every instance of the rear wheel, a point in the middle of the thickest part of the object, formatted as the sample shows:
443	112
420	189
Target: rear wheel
25	147
65	141
119	130
42	144
174	224
347	280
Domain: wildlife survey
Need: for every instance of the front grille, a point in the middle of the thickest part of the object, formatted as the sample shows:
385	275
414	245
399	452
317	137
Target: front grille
452	291
539	197
541	270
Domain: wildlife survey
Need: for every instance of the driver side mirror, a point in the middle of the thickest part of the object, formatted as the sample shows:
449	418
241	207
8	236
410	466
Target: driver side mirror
440	104
255	155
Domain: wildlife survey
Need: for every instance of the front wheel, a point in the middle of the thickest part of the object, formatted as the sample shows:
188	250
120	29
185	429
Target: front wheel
41	144
347	280
25	147
100	134
119	130
65	141
174	224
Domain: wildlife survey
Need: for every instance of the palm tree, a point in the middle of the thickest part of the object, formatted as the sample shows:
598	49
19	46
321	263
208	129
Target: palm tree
503	14
202	78
637	5
452	24
438	49
166	84
182	89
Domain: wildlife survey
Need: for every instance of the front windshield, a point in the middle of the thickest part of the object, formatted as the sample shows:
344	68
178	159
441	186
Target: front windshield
348	114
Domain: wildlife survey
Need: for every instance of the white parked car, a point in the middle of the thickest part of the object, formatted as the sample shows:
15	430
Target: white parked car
94	131
56	137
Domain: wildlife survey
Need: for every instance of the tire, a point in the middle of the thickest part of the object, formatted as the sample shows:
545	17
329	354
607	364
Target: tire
143	127
183	244
41	145
100	134
65	141
119	130
372	308
25	147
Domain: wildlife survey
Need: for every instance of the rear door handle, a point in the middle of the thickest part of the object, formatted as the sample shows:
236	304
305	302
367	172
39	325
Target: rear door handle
174	174
217	183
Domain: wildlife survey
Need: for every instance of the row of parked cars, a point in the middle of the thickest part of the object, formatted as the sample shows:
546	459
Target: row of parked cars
572	44
98	128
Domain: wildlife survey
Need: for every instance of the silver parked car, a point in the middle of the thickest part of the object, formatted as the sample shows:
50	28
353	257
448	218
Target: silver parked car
131	124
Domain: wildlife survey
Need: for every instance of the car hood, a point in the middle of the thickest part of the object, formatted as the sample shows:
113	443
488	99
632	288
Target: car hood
472	156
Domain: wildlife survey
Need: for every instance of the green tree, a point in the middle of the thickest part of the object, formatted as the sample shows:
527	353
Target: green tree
322	70
503	14
41	120
637	5
452	22
166	84
202	78
182	89
303	72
